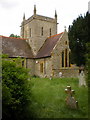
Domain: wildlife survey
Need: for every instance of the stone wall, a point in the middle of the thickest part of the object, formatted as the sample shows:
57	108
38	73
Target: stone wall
57	52
31	66
46	67
67	72
56	58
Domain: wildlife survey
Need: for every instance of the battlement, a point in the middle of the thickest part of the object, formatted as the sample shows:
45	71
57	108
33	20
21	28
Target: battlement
39	17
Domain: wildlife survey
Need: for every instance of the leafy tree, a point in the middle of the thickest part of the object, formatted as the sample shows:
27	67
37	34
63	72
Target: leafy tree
79	35
88	62
12	35
16	36
15	92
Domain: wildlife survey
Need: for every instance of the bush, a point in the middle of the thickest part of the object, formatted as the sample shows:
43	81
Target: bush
15	92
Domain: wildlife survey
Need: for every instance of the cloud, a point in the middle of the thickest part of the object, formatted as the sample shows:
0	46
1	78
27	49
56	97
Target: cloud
8	4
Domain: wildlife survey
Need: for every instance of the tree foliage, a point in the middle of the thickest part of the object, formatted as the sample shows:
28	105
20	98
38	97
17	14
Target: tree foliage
16	36
15	92
79	35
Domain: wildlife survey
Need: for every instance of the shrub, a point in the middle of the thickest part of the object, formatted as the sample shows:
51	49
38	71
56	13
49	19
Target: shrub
15	92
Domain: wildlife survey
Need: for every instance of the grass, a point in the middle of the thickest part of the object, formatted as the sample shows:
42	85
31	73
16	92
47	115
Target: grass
48	98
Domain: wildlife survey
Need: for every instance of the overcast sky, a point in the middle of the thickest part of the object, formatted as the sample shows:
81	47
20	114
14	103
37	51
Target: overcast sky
11	12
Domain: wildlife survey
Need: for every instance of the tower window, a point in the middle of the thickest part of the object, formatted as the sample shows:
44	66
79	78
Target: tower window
42	31
50	31
25	34
30	32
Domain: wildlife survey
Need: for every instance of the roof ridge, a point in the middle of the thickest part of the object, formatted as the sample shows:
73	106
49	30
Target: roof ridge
12	37
55	35
46	40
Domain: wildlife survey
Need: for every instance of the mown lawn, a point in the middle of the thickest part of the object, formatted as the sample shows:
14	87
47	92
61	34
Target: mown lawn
48	98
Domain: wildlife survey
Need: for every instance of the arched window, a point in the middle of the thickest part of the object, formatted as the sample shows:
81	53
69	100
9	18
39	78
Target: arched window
42	31
63	59
30	32
65	42
50	32
41	67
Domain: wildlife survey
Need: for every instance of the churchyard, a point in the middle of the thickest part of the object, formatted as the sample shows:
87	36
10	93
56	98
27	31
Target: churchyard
41	97
49	98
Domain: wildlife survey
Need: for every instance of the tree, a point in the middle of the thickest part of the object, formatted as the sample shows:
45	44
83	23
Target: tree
88	62
16	36
15	92
79	36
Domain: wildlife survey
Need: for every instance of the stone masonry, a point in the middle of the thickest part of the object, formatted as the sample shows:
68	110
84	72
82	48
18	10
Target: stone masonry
37	28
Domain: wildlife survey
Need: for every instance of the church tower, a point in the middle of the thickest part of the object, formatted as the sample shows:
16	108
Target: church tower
37	28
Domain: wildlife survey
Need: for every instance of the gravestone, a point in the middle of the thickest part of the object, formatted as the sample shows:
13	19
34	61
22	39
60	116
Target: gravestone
70	100
82	81
60	74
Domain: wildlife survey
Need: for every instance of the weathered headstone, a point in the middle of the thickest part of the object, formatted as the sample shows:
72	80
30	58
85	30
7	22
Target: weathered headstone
70	100
60	74
82	81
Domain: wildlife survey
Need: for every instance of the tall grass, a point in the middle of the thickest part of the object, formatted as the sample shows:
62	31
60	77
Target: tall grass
48	98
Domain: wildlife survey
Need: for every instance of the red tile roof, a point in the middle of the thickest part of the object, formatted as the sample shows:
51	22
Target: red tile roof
16	47
13	37
48	46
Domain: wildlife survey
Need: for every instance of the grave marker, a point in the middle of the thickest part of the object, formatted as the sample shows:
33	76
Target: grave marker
70	100
82	81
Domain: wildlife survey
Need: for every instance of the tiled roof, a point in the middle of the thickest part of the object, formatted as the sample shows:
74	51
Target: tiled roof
16	47
48	46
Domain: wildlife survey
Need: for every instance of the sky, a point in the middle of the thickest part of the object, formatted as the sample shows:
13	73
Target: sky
11	12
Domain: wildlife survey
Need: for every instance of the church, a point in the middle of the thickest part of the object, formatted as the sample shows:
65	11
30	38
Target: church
45	52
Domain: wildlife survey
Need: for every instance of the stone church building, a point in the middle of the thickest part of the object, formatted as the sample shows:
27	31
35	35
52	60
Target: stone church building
45	52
